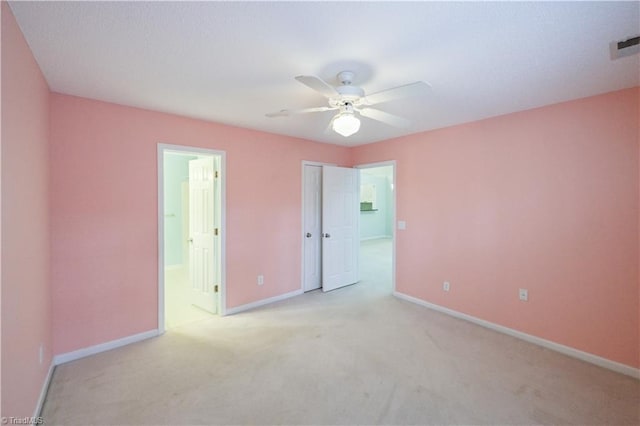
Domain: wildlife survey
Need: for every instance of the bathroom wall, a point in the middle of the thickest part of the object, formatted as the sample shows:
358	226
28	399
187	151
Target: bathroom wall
176	174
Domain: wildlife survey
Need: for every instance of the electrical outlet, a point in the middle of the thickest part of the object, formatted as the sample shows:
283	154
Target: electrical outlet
523	294
260	279
402	224
446	286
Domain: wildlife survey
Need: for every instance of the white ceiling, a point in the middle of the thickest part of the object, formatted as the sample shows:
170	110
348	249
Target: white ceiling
232	62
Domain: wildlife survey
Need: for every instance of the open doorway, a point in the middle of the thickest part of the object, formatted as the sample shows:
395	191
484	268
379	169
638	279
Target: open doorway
370	257
190	235
377	231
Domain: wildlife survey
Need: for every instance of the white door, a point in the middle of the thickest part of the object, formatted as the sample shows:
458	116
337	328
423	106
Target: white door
202	233
312	227
340	214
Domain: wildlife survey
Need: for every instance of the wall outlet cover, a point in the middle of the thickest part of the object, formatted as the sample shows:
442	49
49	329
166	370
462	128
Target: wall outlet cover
523	294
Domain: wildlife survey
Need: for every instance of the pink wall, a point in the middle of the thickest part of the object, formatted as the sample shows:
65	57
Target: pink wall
545	199
104	214
26	297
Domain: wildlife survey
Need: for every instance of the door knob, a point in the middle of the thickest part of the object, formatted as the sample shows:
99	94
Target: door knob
327	235
308	235
190	240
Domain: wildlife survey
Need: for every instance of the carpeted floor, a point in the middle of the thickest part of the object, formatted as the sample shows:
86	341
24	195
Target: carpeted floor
356	355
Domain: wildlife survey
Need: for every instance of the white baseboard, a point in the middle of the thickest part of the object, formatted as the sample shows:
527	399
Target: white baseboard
102	347
252	305
43	391
566	350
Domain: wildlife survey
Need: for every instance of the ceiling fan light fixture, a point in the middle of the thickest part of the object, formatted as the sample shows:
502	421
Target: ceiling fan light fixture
349	99
346	124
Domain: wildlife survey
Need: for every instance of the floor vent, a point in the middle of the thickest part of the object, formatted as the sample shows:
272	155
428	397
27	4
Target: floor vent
622	48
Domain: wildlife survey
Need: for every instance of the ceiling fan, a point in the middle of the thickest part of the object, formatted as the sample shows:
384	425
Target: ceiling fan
348	100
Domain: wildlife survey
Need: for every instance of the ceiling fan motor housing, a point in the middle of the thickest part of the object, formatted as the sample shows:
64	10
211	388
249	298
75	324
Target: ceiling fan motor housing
346	77
347	94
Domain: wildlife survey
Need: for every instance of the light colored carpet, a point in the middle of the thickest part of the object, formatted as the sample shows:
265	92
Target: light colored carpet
356	355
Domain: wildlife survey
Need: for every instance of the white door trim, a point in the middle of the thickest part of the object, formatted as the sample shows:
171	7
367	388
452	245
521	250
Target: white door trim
182	149
305	163
393	213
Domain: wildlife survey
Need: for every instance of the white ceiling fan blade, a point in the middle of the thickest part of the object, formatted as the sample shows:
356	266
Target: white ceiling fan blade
288	112
419	88
318	85
329	129
385	117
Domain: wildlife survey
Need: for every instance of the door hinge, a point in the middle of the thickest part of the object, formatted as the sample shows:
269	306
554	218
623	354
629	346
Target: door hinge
215	288
215	231
215	175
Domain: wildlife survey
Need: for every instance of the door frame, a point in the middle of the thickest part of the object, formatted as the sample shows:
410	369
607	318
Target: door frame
393	213
302	265
189	150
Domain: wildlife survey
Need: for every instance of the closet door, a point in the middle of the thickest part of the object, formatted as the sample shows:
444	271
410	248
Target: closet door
312	227
340	221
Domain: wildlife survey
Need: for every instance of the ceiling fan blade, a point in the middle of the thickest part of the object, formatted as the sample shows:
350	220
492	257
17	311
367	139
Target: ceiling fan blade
318	85
329	129
281	113
419	88
385	117
288	112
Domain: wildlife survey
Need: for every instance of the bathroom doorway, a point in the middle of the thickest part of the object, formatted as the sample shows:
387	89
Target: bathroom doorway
191	235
